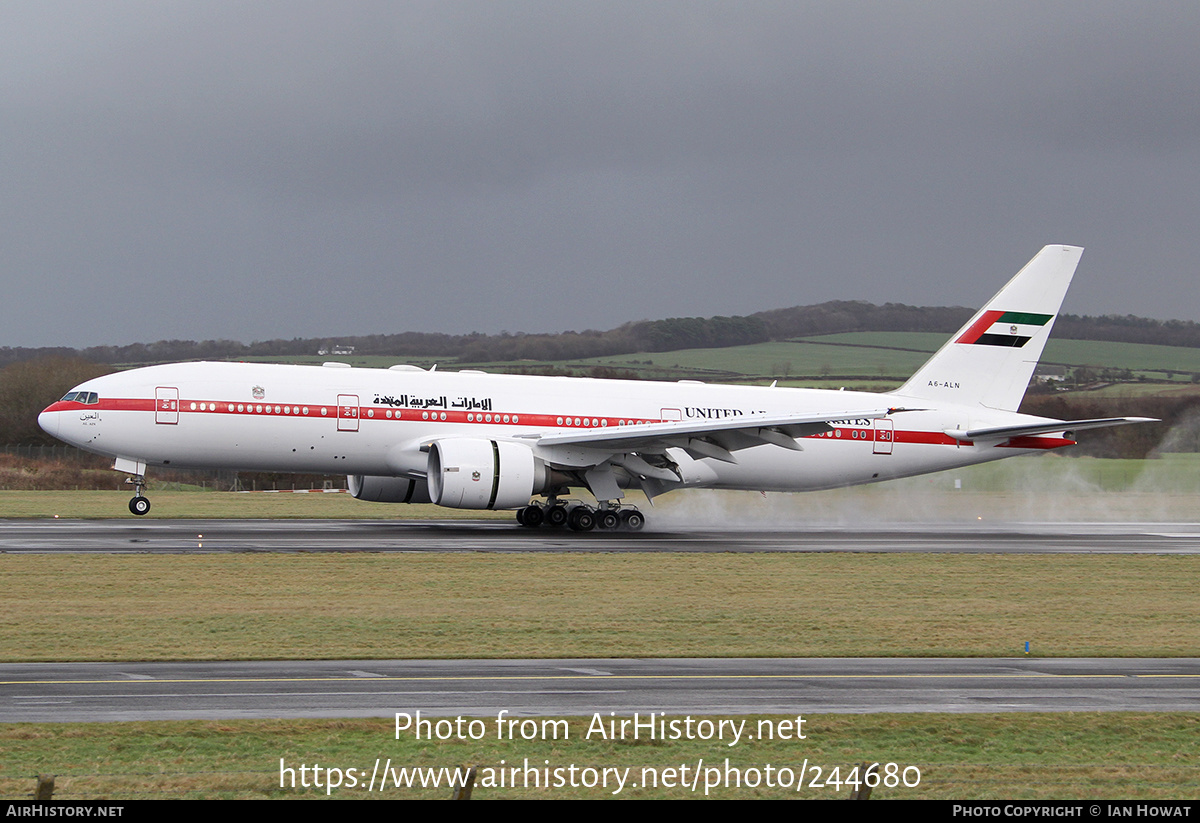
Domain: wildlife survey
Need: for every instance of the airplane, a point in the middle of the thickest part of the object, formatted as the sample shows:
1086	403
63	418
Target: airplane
471	440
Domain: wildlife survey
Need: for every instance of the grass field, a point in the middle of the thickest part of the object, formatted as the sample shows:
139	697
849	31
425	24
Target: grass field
256	606
594	604
990	756
768	360
1123	391
1091	353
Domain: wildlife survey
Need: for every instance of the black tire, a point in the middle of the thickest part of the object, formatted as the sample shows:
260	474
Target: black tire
556	516
139	505
633	521
582	519
607	519
532	516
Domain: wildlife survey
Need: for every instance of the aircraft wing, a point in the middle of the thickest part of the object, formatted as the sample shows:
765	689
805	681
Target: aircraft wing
709	438
1002	432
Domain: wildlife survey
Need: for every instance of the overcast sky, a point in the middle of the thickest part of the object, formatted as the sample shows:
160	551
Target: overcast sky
252	170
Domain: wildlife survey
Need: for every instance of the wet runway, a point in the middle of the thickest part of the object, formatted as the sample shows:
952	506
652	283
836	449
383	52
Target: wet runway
208	536
52	692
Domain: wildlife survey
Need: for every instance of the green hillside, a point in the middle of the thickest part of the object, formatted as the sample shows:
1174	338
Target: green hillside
852	358
1095	354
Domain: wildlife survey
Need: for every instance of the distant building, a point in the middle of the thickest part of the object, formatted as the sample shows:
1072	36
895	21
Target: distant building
336	349
1050	374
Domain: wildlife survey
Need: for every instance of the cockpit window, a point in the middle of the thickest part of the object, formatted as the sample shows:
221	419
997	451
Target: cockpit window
92	398
69	396
86	397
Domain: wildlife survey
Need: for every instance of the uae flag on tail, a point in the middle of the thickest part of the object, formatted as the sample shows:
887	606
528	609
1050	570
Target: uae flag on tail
1004	328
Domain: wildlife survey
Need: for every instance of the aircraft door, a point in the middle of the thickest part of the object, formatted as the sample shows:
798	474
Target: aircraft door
347	412
885	434
166	405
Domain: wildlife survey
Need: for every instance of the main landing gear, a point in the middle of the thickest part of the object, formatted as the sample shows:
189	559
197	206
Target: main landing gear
581	517
140	504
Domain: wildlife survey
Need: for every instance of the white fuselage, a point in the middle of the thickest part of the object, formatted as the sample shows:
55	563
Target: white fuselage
326	420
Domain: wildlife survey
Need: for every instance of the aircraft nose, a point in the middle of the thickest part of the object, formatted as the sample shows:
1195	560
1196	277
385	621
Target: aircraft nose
48	420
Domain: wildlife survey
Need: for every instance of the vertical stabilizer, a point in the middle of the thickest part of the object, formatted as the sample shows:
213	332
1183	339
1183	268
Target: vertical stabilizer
989	361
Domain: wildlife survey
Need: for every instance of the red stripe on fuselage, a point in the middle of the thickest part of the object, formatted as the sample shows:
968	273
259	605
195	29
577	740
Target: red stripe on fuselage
898	436
331	412
105	404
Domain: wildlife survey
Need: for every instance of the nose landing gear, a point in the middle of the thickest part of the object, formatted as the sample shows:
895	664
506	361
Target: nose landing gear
140	504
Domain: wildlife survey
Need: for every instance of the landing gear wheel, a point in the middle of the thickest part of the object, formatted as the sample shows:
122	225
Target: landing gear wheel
607	519
531	516
581	519
139	505
632	520
556	516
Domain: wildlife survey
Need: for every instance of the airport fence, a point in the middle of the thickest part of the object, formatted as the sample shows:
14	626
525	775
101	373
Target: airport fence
58	451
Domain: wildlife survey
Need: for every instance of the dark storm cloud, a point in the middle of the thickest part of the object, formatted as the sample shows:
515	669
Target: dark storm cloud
296	169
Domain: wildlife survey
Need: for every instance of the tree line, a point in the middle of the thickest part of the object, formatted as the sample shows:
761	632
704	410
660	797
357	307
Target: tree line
644	335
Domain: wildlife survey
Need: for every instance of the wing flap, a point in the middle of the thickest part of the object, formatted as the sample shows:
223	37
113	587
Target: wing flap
725	435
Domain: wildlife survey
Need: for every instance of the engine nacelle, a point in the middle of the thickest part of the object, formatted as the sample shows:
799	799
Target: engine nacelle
472	473
388	489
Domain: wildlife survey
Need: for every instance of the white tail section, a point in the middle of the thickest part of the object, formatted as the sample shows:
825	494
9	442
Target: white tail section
990	360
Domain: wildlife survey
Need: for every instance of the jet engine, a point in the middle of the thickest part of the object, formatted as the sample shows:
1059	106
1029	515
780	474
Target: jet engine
388	489
472	473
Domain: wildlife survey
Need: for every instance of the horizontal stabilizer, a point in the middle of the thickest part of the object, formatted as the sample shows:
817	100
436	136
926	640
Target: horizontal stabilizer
1004	432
